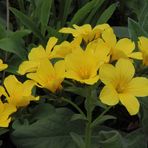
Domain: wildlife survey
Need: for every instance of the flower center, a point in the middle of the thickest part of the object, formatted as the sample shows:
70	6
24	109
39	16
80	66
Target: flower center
84	73
120	87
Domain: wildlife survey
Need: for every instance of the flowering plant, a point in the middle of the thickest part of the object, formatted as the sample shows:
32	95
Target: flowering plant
70	79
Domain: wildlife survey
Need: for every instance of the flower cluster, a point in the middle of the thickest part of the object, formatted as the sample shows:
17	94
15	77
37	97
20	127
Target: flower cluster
94	54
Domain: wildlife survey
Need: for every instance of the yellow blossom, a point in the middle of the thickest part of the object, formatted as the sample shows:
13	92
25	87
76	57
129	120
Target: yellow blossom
47	76
6	110
100	50
36	54
65	48
82	66
121	86
124	48
85	32
143	45
18	94
2	66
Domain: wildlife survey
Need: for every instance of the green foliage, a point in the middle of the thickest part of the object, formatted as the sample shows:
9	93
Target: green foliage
106	15
42	125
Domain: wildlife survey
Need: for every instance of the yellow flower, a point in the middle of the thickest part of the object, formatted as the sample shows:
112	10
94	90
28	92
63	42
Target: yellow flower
120	49
143	45
2	66
47	76
82	66
37	54
65	48
19	94
121	86
85	32
6	110
100	50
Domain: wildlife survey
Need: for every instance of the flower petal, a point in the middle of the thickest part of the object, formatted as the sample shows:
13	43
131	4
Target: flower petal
125	70
136	55
50	44
90	81
107	74
59	68
109	37
37	53
125	45
109	96
28	66
130	102
138	87
11	84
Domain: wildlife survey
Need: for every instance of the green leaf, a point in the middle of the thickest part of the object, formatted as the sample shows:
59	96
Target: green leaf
107	14
13	45
51	132
144	112
100	119
78	140
2	32
110	139
135	139
78	117
13	64
45	13
135	30
97	6
91	98
82	12
77	90
66	9
143	20
121	32
3	131
26	21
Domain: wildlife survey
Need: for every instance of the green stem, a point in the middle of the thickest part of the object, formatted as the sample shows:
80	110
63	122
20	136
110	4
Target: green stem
88	130
74	105
7	26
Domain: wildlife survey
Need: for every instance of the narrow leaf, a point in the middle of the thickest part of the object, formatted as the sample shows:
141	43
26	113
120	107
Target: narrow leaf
26	21
106	15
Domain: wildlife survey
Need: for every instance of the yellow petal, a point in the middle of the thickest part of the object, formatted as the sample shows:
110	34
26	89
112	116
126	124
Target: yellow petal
28	66
130	102
43	73
50	44
108	74
109	96
27	87
11	84
37	53
138	87
109	37
5	123
125	70
125	45
102	27
62	50
67	30
143	43
136	55
7	111
60	68
90	81
2	91
2	66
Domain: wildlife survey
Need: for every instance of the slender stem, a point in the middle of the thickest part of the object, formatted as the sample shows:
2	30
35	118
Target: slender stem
105	111
88	130
7	26
8	14
74	105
